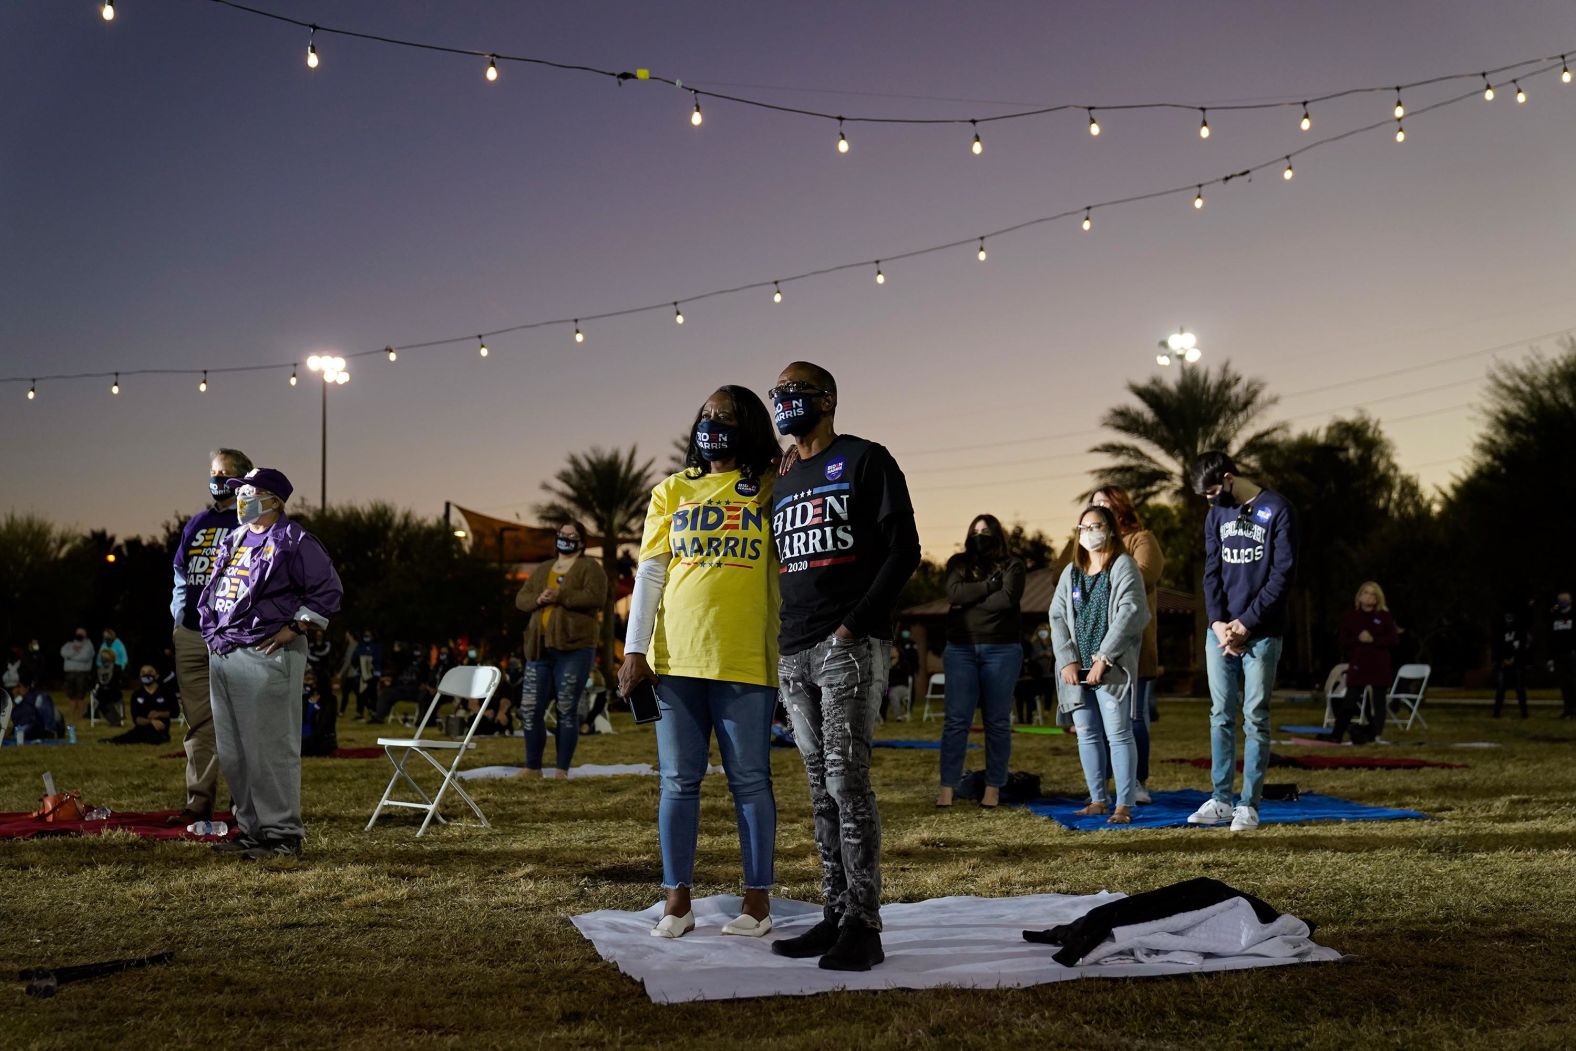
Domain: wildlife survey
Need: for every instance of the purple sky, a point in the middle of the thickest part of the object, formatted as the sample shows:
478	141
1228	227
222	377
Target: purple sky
178	190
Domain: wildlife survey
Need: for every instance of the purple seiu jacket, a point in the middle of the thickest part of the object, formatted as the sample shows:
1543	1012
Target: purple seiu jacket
291	579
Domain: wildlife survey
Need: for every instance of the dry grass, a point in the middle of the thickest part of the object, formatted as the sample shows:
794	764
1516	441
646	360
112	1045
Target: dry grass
1463	927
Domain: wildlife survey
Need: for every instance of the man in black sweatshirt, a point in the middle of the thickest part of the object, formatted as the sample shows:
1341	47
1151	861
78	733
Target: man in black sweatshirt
1250	552
844	530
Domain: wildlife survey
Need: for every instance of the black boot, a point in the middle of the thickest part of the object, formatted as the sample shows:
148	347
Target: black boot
858	948
813	942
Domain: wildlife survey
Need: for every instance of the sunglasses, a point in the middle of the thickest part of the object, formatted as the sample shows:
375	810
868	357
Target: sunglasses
792	388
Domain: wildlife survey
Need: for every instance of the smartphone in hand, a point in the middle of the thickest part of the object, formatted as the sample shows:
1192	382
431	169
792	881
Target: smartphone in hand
643	702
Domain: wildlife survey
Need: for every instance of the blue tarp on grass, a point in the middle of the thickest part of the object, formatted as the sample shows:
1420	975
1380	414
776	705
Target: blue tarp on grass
1171	810
1305	731
909	744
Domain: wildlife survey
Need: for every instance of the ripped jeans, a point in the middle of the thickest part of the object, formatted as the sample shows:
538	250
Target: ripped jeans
832	692
560	675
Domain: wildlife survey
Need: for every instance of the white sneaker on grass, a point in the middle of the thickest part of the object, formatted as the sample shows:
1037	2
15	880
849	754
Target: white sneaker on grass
1213	812
1244	819
1141	794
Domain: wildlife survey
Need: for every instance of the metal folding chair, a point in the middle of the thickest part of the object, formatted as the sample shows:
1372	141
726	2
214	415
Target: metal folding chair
935	690
469	683
1411	700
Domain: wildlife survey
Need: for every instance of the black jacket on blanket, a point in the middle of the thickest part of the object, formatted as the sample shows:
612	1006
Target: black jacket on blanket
1078	938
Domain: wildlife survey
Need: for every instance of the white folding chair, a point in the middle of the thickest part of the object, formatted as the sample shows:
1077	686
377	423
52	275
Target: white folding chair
935	690
1334	686
469	683
1411	699
5	713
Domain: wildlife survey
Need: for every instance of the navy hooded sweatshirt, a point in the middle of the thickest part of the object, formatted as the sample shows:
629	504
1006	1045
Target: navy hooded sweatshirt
1250	553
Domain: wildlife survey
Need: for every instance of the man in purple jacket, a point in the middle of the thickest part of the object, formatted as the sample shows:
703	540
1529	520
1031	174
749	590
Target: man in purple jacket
194	562
272	581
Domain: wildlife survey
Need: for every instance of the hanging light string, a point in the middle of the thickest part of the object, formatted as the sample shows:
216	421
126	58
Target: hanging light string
576	322
492	57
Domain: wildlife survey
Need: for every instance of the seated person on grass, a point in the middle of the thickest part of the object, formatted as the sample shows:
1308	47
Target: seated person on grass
33	712
151	709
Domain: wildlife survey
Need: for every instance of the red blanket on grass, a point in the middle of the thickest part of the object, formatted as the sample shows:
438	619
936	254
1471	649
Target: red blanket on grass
149	824
368	752
1338	762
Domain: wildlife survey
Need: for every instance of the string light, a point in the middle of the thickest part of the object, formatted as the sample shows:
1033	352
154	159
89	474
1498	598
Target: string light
978	147
481	347
114	388
292	376
1306	124
981	252
1198	200
880	277
678	315
1488	89
1400	107
1565	71
1088	221
108	10
492	68
32	392
311	49
777	293
1400	132
1203	125
1521	96
1094	125
696	118
202	388
580	337
1287	174
842	140
389	350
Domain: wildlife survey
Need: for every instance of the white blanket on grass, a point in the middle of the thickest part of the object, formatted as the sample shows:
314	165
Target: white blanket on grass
494	773
963	942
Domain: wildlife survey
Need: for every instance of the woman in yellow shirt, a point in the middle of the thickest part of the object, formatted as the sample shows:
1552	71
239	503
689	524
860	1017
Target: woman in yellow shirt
703	624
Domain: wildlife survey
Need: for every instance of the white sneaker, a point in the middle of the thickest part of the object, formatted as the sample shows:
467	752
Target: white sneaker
1244	819
1141	794
1213	812
674	926
748	926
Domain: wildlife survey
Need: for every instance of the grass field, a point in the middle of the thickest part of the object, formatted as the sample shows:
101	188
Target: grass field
1463	929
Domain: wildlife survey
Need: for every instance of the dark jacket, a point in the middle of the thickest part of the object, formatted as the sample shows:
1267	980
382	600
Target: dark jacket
1368	663
984	611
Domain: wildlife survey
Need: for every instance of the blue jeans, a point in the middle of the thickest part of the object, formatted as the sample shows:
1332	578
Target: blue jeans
741	714
1247	680
1146	692
1105	727
979	676
560	675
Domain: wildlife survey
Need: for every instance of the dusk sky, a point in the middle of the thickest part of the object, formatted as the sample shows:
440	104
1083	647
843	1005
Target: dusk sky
178	190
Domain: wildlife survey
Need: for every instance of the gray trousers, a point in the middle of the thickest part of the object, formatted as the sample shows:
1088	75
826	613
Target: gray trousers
257	725
833	692
202	760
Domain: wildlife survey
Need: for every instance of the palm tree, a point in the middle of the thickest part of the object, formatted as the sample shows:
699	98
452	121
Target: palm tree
1175	422
606	488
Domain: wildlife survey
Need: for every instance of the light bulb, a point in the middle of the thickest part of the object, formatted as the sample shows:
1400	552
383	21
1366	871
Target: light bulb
1088	222
1198	201
1307	121
981	252
1094	125
1400	132
203	386
32	392
880	277
1162	359
492	69
1287	174
114	388
481	347
1488	89
292	377
777	293
391	353
842	140
580	337
342	378
1203	126
1192	354
311	56
108	12
314	363
339	364
1521	96
1565	70
1400	107
977	146
696	118
678	315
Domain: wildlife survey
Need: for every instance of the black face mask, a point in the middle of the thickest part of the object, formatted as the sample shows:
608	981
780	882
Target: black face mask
796	414
982	544
216	487
567	545
715	440
1224	499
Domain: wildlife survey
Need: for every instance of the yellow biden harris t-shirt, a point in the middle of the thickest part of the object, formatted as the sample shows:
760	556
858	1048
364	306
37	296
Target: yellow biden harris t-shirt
718	618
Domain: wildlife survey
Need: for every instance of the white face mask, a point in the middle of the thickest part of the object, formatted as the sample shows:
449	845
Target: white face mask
1092	539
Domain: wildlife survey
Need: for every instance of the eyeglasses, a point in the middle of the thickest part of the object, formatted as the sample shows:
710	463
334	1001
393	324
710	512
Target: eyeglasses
1096	528
793	387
